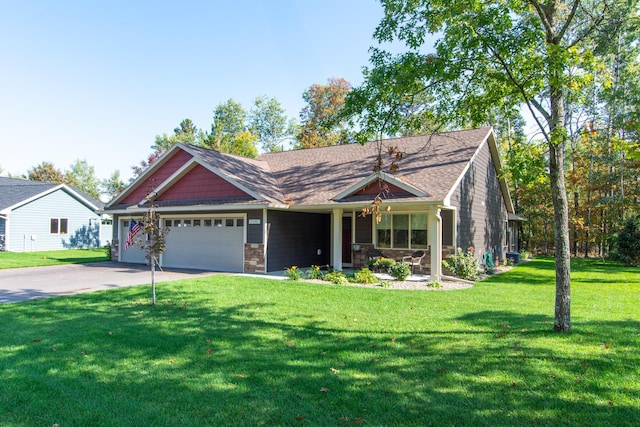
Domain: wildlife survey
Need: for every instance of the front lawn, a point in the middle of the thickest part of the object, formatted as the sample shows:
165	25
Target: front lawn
230	350
43	258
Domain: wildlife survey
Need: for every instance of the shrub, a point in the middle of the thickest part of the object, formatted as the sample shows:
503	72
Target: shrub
434	284
336	277
627	242
386	263
315	273
385	284
365	276
463	264
107	250
400	271
293	273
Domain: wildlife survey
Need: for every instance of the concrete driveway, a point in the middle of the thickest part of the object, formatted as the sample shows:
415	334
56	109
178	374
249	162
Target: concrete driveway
19	284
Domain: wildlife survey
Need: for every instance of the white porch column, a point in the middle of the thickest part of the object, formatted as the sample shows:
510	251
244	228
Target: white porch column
435	242
336	239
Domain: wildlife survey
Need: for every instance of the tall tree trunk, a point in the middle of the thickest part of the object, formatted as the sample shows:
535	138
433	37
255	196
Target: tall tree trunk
557	141
562	322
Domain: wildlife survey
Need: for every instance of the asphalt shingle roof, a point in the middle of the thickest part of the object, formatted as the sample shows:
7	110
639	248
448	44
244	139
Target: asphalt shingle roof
431	164
14	191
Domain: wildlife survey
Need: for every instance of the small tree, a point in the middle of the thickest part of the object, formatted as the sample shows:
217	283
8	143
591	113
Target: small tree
627	242
156	241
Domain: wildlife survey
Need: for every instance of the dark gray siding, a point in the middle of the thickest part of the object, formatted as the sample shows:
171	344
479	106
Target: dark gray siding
363	229
447	227
254	231
481	208
294	239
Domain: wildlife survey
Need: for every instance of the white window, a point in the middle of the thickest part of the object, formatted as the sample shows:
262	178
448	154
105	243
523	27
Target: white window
59	225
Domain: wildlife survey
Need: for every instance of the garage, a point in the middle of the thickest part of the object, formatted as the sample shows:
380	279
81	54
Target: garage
205	243
134	253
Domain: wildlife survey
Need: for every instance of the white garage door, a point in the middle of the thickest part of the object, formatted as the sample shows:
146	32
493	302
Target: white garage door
134	253
205	243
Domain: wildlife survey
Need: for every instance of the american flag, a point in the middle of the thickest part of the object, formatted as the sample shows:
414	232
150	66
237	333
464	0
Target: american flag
134	228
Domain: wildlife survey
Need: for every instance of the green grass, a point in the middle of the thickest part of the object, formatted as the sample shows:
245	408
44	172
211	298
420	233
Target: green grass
228	350
43	258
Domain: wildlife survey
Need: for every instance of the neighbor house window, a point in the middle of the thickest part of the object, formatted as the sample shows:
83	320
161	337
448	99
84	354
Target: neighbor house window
59	226
402	231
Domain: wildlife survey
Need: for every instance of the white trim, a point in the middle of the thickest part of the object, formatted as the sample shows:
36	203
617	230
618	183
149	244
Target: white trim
139	210
265	237
382	177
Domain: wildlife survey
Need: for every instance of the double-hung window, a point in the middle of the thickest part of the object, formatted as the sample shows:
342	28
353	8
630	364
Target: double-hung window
402	231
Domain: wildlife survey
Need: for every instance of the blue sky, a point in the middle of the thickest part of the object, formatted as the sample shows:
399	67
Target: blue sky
97	80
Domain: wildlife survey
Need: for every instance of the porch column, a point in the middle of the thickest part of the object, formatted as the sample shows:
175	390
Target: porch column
336	239
435	242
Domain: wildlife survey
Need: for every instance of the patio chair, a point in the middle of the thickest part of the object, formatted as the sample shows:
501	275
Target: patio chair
415	259
374	254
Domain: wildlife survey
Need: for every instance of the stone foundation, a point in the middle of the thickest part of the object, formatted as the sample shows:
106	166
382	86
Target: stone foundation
254	258
115	244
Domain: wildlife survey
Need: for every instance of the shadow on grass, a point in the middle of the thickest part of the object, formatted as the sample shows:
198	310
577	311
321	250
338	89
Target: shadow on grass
110	359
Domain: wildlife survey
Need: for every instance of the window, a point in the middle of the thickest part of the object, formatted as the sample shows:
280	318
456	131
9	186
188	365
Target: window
187	223
402	231
207	223
59	226
217	222
196	223
229	223
240	222
167	223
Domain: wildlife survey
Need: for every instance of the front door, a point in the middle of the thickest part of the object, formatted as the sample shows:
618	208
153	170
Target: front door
346	241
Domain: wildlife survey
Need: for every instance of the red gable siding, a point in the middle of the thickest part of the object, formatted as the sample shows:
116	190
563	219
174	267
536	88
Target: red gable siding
377	187
158	177
200	183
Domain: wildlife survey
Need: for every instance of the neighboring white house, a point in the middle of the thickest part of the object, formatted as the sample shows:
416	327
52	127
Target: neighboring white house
38	216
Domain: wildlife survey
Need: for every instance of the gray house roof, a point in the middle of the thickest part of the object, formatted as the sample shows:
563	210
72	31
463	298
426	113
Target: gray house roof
16	192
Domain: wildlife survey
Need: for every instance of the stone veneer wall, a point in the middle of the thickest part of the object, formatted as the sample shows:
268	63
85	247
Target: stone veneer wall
114	249
254	258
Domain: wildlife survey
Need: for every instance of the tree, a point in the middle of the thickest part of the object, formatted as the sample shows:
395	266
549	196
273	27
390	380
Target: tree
267	120
83	176
46	172
186	133
113	185
152	238
627	242
505	53
229	132
320	121
144	164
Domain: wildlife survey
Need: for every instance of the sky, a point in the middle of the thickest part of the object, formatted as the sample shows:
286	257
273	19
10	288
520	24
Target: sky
98	80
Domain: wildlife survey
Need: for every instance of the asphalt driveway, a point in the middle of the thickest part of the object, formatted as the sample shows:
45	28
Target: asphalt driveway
19	284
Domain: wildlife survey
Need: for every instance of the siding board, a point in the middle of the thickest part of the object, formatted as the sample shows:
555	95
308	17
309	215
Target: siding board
33	219
481	208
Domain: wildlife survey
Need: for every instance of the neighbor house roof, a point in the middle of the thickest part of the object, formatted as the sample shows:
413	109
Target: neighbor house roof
430	168
17	192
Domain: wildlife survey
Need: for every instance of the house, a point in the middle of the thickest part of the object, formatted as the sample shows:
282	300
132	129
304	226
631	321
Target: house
38	216
304	207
